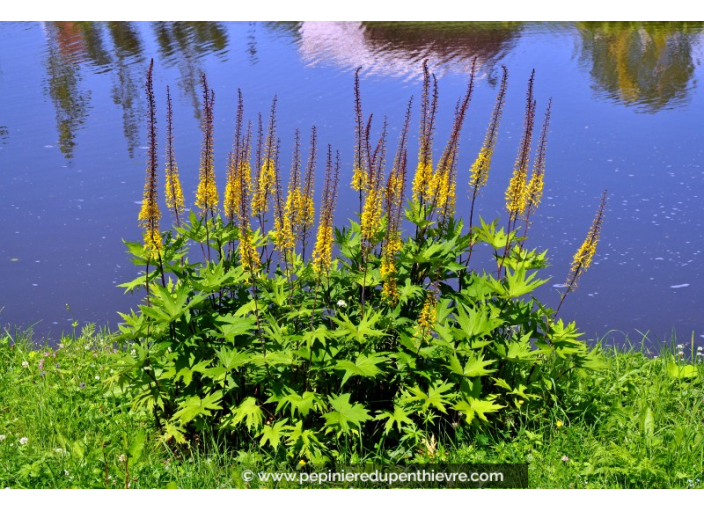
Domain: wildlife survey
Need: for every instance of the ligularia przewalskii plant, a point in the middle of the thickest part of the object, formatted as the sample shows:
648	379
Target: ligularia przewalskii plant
373	337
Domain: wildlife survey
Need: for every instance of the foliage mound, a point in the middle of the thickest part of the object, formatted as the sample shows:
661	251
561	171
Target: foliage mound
375	341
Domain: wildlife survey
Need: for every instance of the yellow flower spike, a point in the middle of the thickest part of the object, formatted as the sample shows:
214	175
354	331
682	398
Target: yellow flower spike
534	191
249	257
239	179
359	174
149	214
174	191
479	172
207	193
517	192
422	180
265	187
359	179
266	182
583	258
427	316
322	253
371	214
444	187
288	225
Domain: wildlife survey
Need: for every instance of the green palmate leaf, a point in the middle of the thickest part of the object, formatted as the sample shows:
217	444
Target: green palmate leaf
475	366
185	373
232	359
487	233
517	351
363	366
517	283
409	292
173	431
438	396
398	418
321	334
138	282
477	323
231	326
274	358
358	332
344	415
194	407
473	407
501	383
273	434
277	291
248	412
212	277
300	404
520	391
304	439
565	340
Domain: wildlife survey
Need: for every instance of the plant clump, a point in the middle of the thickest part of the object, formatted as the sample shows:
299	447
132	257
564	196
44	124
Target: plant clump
374	338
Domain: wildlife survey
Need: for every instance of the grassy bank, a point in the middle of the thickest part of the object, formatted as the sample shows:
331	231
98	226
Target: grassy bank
636	423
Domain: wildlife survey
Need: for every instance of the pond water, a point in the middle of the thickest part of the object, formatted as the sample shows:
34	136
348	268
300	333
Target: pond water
627	117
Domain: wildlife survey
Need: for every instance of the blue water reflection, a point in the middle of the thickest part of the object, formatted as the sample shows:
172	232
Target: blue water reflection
626	117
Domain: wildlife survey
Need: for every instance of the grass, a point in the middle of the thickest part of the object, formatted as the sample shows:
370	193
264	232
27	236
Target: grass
636	423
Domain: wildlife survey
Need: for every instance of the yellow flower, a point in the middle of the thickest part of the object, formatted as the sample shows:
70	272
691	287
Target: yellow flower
301	462
517	192
534	191
248	252
371	214
149	214
174	192
480	169
207	192
359	179
265	186
422	181
426	318
322	254
558	424
583	258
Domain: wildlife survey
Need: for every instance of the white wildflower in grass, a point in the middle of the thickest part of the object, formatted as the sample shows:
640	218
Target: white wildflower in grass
97	378
565	458
2	437
121	458
23	440
342	303
25	364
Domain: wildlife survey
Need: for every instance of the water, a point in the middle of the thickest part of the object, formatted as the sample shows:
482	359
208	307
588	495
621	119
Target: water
627	117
